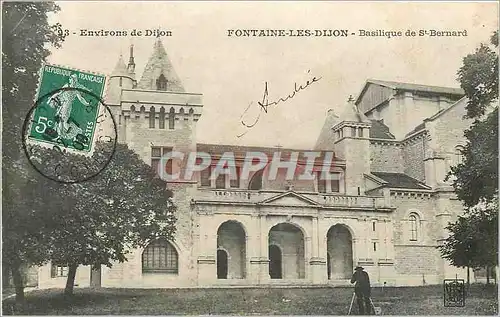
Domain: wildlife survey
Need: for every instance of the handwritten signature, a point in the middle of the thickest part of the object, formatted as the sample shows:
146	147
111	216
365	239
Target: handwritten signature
265	103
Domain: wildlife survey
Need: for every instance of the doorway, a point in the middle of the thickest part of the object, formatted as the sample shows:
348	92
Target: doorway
221	264
275	262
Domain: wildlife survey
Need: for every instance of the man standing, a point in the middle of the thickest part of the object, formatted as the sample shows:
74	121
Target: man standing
362	290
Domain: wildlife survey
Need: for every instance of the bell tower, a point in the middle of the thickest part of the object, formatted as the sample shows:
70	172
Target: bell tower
352	144
157	114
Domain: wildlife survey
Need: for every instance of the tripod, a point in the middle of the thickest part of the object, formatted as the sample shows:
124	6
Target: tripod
352	302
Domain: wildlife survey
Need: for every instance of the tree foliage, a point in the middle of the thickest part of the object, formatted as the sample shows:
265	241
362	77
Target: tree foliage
26	37
473	241
478	77
101	220
90	223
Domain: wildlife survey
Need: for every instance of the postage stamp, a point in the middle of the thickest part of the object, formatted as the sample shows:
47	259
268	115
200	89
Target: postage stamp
69	135
68	108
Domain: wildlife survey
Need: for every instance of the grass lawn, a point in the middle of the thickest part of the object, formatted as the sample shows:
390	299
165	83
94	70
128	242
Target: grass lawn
427	300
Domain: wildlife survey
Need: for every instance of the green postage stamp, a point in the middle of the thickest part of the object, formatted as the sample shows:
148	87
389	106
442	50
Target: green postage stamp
67	108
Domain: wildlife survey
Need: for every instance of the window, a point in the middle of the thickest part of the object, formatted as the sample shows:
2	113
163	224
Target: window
353	132
373	226
360	132
160	257
161	119
152	115
256	180
413	227
321	184
375	246
121	81
335	183
204	175
156	155
171	118
235	183
338	134
58	270
220	181
161	83
329	184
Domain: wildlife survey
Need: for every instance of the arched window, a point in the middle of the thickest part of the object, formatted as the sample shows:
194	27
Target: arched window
161	121
161	83
152	116
413	227
171	118
160	256
256	180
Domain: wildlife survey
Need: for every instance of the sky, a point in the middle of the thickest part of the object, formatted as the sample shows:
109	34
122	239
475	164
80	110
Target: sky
232	72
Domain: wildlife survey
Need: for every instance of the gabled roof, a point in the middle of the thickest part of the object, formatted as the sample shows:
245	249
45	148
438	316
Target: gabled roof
158	64
438	114
411	87
379	130
293	199
400	180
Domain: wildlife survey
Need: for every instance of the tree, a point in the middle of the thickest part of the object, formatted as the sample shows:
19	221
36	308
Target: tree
473	239
26	36
103	219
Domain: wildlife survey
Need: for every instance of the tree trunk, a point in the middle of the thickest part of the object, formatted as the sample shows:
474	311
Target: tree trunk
487	275
70	282
18	284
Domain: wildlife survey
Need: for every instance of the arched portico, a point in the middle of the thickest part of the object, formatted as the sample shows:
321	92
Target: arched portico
231	251
291	242
340	253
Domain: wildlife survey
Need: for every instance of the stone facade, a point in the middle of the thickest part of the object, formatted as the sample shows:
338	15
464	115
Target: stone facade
393	147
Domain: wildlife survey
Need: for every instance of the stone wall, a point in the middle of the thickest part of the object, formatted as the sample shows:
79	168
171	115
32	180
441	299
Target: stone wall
386	157
413	151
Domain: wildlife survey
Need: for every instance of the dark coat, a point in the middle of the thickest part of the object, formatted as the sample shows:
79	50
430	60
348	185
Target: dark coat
362	282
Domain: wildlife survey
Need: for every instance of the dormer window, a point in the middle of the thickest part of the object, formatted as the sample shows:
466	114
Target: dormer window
161	83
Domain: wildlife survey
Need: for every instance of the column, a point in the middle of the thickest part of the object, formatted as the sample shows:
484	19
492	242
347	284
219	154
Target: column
317	263
254	249
264	250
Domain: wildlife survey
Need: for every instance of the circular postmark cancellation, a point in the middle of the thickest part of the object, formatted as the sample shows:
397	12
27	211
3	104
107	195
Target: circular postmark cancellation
69	135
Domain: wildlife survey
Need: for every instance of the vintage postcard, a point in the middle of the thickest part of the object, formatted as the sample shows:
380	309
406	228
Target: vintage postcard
250	158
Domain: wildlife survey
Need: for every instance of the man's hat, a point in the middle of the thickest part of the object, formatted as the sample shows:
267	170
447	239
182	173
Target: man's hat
359	268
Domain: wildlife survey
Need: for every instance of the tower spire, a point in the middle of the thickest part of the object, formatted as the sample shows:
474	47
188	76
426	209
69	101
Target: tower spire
131	62
159	73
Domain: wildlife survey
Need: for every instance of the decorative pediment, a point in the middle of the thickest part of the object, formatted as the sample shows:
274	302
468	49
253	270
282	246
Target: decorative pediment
290	198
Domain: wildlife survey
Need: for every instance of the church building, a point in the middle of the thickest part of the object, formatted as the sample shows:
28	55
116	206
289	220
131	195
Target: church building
386	209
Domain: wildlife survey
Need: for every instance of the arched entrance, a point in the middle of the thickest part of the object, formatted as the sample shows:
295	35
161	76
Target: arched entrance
291	241
275	263
221	264
231	237
339	248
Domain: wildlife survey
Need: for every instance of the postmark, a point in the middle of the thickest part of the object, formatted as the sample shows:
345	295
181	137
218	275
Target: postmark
69	135
68	115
